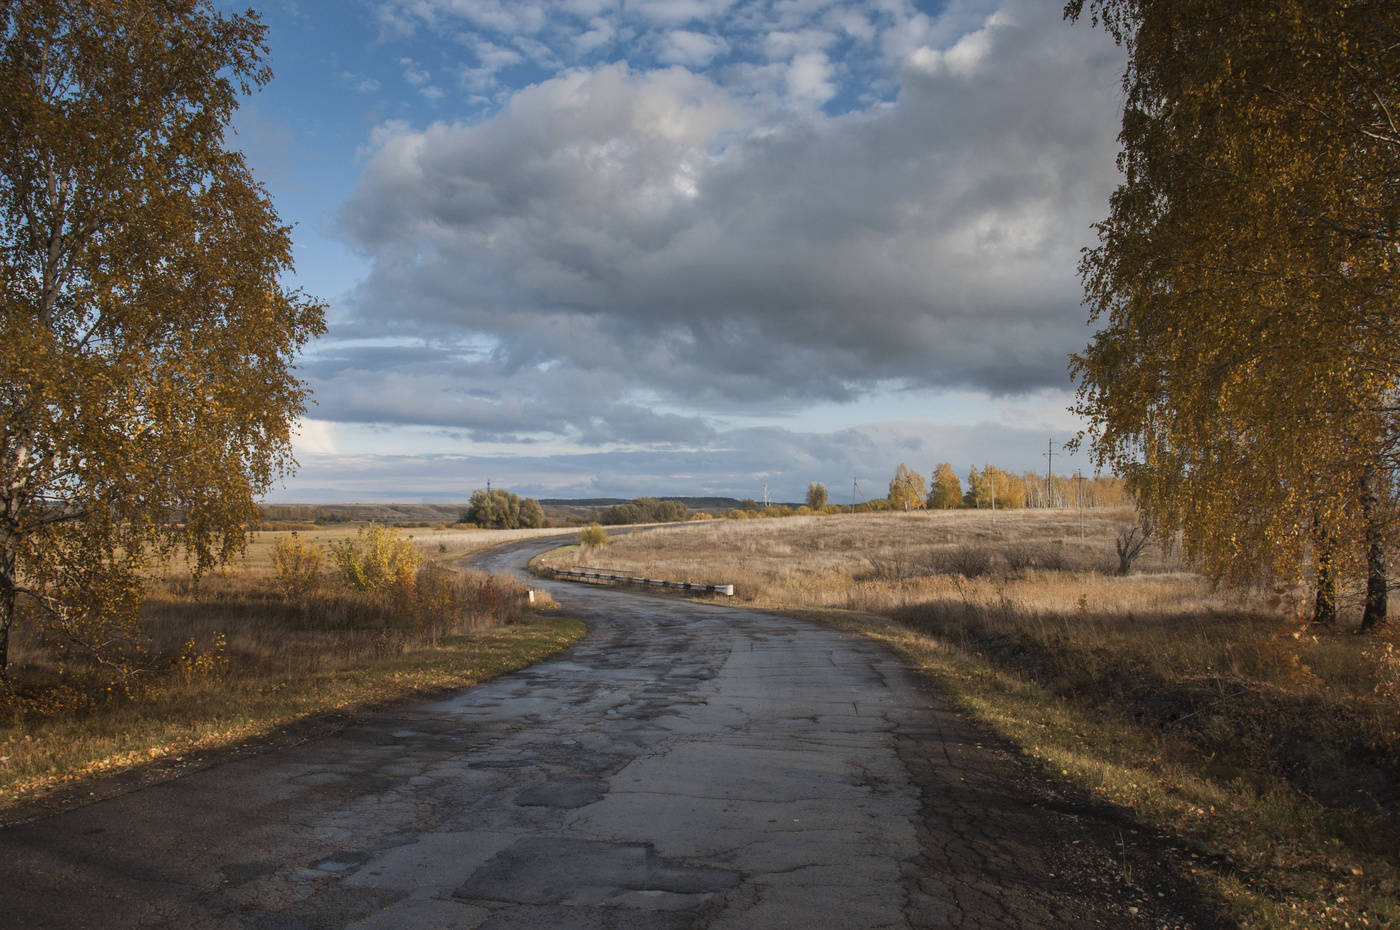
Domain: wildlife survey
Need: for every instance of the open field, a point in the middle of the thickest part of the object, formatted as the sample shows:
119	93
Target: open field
1272	749
231	657
444	544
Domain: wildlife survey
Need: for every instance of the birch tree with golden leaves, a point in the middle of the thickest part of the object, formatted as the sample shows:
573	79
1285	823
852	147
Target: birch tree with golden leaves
907	489
1244	377
146	339
946	492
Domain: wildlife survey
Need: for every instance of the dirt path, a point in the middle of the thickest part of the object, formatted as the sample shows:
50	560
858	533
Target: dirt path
686	765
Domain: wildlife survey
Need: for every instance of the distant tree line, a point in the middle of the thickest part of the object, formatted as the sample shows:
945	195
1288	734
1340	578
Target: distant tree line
990	485
644	510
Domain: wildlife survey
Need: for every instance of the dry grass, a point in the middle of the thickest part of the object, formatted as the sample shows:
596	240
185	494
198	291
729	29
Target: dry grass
229	657
445	543
1272	748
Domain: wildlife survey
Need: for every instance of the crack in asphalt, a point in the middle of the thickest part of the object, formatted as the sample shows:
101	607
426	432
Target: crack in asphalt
686	765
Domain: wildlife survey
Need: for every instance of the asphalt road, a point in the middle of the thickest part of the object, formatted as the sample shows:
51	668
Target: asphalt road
686	765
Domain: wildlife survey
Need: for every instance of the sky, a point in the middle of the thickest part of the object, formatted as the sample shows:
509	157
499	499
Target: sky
591	248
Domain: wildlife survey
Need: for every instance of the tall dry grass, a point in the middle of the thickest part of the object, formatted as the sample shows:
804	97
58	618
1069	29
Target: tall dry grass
243	623
236	654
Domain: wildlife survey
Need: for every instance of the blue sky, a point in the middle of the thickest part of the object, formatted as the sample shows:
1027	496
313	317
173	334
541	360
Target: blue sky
588	248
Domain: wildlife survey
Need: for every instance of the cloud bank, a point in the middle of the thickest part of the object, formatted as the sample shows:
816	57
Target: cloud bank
630	254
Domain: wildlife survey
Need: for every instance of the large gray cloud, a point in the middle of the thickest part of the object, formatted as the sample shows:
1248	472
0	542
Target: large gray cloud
620	238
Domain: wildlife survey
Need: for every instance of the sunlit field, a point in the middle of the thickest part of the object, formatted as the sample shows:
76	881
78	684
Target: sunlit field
1223	717
235	654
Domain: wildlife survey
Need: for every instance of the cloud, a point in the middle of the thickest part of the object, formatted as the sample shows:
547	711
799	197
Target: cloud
313	437
694	49
966	56
809	79
737	463
695	33
628	238
420	78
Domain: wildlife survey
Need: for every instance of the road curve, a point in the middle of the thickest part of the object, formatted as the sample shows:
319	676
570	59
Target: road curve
686	765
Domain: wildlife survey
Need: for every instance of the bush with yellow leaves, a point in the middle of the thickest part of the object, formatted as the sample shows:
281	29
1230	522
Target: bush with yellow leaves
376	560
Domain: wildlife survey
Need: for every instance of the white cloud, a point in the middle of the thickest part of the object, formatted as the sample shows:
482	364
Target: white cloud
853	23
313	437
809	79
966	56
414	74
728	39
783	46
676	12
600	33
693	49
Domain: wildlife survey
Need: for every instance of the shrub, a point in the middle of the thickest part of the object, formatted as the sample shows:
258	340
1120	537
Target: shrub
968	561
296	566
376	560
593	535
493	598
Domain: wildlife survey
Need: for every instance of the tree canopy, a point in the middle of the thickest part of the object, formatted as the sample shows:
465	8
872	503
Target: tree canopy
907	489
946	492
645	510
817	495
501	510
1245	373
147	391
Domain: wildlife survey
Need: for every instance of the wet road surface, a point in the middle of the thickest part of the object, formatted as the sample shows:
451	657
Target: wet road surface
686	765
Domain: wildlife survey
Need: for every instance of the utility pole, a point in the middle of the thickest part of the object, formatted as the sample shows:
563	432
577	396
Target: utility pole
1079	479
1049	474
994	496
765	495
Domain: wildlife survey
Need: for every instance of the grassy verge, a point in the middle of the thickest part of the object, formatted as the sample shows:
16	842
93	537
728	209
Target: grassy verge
1270	748
1267	853
275	639
39	756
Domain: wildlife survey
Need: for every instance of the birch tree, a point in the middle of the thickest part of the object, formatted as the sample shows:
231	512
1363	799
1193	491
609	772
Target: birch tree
1244	376
907	489
146	341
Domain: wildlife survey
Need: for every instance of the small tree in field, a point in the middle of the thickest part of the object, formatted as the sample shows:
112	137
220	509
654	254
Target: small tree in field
816	495
907	489
979	491
502	510
146	339
946	492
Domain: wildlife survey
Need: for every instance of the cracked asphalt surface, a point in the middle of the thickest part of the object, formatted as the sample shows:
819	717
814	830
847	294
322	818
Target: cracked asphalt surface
686	765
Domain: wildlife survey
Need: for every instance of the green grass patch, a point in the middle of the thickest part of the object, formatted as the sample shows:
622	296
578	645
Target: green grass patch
41	755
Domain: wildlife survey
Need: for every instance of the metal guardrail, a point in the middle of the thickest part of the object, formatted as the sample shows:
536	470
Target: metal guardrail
596	574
